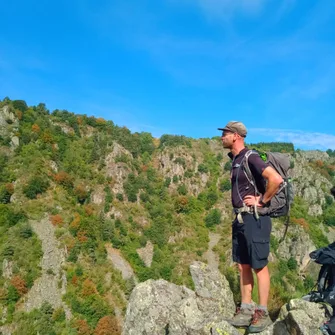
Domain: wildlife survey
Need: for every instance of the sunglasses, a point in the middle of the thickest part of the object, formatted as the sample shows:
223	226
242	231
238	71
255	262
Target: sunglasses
224	133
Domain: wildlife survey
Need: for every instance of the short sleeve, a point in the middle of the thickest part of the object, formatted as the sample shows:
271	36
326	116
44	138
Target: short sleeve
257	165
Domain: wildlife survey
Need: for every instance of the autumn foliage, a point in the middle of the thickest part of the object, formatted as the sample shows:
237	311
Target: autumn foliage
88	288
301	222
107	325
64	179
19	284
56	220
35	128
81	235
10	188
82	327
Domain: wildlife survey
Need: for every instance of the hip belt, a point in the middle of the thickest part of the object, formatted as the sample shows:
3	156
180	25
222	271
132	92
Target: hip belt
245	209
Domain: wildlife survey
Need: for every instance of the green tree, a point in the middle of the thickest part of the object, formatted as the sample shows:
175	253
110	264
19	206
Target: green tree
213	218
36	185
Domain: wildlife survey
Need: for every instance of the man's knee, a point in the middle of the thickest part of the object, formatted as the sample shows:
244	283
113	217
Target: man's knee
244	268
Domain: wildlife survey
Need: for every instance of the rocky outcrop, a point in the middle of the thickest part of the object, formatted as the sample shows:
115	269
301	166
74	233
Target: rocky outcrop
98	195
146	254
46	288
176	162
297	244
116	167
119	262
160	308
7	268
9	125
307	182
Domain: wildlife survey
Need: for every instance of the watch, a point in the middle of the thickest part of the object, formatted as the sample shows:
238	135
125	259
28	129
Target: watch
262	203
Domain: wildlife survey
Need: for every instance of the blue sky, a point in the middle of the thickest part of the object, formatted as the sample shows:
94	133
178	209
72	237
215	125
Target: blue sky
180	67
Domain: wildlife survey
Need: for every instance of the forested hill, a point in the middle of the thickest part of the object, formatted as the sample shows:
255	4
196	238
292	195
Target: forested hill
88	209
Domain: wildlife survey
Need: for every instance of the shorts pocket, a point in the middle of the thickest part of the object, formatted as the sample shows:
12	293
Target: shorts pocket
261	247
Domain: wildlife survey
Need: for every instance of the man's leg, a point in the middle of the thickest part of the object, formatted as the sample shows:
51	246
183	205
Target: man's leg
246	282
244	313
263	279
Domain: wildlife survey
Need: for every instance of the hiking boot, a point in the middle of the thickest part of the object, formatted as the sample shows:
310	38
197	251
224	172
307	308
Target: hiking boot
260	321
242	317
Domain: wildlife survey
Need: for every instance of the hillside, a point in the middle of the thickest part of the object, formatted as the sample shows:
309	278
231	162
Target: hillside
89	209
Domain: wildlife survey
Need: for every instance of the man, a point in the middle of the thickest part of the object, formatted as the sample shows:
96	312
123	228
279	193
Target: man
251	230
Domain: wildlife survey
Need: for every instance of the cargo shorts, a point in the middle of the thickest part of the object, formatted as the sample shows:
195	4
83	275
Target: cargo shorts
251	240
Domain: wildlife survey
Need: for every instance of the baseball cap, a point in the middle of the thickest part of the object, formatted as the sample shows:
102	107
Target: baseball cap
235	127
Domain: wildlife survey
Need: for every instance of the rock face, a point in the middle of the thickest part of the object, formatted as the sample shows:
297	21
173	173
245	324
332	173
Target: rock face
160	308
116	168
9	124
307	182
119	262
146	254
46	288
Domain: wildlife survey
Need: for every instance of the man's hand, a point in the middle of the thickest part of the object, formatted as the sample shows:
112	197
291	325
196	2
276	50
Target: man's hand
251	200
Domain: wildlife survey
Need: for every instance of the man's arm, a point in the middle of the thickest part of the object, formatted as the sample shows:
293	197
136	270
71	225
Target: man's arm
274	181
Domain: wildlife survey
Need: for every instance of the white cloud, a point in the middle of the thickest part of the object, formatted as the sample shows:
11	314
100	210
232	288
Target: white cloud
302	139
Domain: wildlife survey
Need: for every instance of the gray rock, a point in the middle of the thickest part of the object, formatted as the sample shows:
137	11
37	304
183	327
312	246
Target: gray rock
158	307
224	328
146	254
214	296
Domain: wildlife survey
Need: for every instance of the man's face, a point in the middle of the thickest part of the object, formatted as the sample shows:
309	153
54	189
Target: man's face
227	139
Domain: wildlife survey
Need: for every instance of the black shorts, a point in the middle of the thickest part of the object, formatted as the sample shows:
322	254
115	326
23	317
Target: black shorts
251	240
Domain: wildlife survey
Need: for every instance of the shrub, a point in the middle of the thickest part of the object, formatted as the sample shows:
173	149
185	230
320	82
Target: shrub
26	231
36	185
21	105
107	325
292	264
132	197
167	182
81	193
56	220
227	166
9	216
119	196
19	284
182	190
64	179
213	218
5	195
12	294
181	161
82	327
202	168
225	185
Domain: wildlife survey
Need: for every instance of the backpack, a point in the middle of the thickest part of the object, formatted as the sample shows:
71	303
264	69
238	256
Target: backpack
280	204
325	286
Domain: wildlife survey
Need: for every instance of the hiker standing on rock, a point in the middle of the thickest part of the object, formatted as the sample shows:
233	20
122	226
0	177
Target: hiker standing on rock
251	229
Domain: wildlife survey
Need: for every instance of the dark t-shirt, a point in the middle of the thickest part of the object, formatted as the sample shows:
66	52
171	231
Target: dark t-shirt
239	182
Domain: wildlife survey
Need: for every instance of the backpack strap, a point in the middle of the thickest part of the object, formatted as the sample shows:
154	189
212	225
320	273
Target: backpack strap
250	177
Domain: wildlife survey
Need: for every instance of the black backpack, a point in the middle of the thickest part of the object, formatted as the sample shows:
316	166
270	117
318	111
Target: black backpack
325	286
